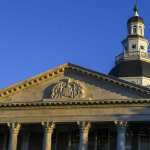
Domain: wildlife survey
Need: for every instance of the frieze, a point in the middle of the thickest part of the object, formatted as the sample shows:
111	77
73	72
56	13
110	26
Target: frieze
66	89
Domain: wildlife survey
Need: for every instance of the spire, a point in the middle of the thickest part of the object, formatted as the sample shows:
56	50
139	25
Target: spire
136	10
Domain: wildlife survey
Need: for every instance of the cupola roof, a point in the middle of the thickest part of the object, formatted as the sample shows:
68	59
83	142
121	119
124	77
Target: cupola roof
136	17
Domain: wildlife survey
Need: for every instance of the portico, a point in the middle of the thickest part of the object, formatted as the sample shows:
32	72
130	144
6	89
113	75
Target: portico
68	136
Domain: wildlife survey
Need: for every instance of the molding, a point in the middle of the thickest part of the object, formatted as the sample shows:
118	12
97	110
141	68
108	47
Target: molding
75	103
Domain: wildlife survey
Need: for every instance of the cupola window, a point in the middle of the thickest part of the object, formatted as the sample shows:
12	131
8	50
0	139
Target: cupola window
134	29
134	46
142	47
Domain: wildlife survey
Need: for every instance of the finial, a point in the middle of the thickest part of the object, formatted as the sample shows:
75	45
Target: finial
136	10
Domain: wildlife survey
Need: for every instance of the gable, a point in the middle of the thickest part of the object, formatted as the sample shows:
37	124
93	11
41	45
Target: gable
65	83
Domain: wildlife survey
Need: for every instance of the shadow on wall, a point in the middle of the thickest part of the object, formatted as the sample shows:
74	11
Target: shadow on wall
138	123
47	92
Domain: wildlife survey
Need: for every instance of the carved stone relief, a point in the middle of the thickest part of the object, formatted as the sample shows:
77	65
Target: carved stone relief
66	89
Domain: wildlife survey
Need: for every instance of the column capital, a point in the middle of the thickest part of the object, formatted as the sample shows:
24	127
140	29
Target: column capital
121	123
84	125
48	126
14	127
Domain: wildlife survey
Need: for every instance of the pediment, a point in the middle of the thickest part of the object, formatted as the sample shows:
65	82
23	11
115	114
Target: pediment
71	82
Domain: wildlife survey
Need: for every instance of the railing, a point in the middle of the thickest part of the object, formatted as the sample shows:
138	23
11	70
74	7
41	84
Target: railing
132	56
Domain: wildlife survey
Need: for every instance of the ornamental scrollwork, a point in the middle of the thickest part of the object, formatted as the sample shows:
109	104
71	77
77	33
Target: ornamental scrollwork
66	89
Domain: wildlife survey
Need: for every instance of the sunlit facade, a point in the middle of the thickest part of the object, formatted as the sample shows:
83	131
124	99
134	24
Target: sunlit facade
74	108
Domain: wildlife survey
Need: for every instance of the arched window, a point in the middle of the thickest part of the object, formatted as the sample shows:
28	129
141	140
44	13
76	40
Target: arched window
134	29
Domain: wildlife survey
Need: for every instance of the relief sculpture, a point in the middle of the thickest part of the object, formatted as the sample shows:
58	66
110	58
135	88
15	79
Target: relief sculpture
66	89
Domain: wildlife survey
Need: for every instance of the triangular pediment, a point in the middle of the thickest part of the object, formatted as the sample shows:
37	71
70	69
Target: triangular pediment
72	82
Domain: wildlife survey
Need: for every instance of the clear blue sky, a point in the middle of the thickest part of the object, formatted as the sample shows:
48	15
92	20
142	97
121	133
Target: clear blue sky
36	35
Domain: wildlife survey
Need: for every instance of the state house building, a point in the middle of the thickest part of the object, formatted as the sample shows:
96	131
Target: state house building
74	108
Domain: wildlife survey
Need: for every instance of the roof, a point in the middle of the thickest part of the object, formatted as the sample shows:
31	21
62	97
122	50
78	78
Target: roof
134	68
69	67
136	19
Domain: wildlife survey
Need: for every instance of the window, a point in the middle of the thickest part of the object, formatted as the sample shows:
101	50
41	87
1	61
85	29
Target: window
130	30
142	47
134	46
134	29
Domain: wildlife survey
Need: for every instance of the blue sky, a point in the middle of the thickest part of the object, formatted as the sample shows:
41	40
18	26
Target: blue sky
36	35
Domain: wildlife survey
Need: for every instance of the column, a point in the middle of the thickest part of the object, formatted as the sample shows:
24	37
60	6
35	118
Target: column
69	141
5	141
48	131
25	140
121	134
14	129
56	140
95	140
84	132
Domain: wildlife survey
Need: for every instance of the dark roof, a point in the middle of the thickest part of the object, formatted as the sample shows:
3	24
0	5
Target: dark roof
134	68
135	19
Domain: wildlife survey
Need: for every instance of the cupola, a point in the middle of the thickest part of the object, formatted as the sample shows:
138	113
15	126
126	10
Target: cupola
136	23
133	64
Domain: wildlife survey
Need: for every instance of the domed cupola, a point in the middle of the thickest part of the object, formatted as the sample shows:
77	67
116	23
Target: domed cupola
133	64
136	24
135	17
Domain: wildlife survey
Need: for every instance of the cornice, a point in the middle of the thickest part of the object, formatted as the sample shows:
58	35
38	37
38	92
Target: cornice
75	103
32	81
61	70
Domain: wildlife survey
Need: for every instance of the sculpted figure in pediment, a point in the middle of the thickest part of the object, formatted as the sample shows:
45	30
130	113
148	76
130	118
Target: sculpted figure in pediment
66	88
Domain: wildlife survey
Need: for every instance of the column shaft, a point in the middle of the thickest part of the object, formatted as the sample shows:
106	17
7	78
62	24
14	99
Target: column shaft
13	137
84	131
121	135
56	140
95	141
5	141
69	141
48	131
25	140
